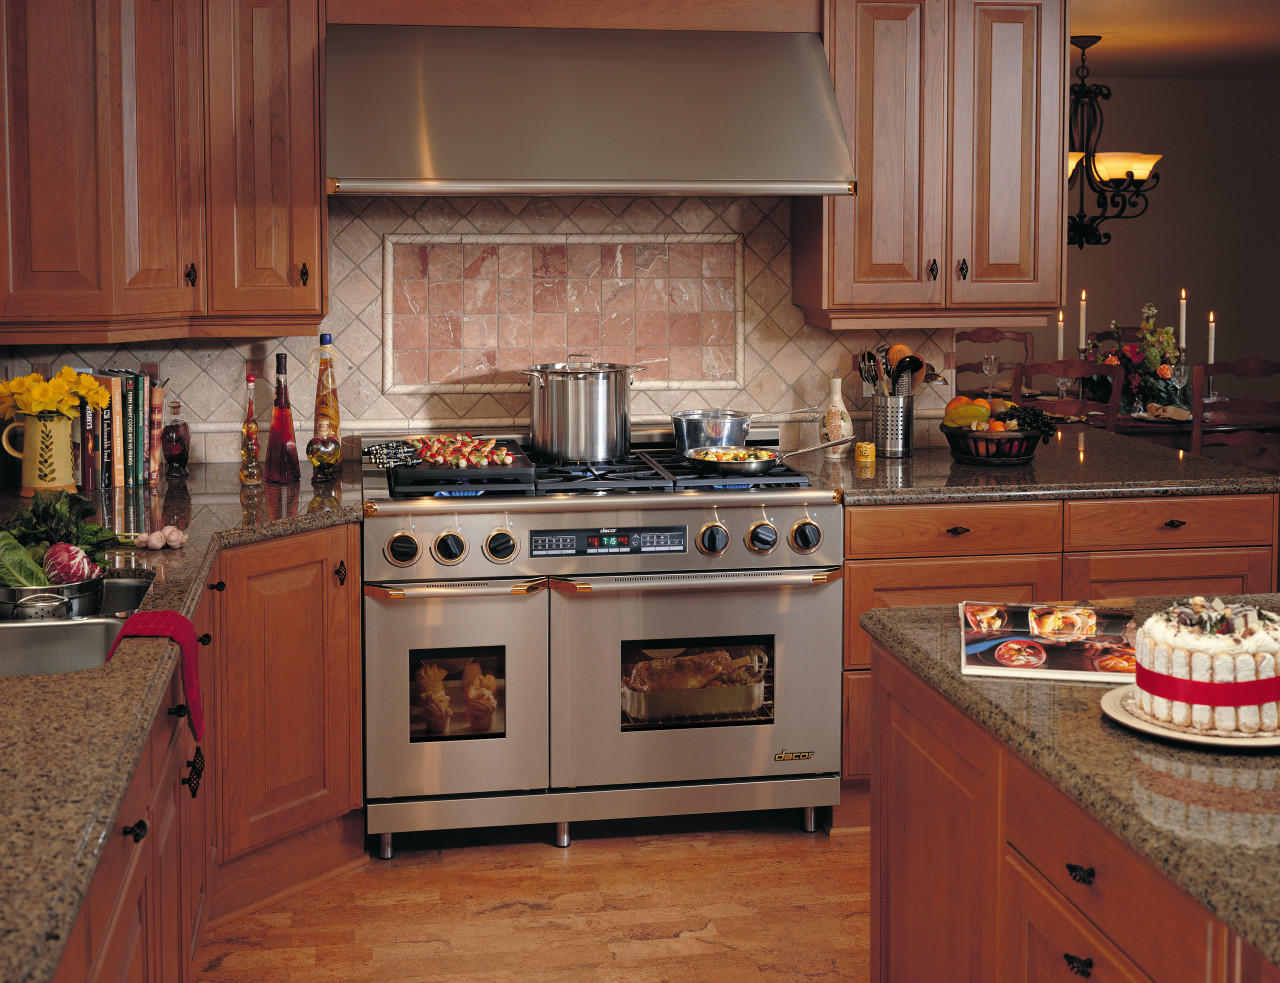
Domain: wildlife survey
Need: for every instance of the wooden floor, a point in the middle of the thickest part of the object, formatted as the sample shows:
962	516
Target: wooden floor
713	899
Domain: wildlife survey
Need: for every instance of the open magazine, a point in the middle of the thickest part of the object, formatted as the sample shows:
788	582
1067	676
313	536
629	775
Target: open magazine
1047	641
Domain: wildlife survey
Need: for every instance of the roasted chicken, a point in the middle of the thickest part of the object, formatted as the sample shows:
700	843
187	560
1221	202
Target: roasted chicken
680	672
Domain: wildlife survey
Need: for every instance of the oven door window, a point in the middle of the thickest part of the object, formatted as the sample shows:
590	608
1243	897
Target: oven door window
715	681
457	693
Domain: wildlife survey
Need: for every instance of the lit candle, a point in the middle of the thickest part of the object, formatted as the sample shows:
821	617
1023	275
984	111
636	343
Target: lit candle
1082	320
1059	334
1211	332
1182	322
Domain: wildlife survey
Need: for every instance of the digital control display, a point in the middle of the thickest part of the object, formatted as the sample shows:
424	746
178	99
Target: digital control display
594	542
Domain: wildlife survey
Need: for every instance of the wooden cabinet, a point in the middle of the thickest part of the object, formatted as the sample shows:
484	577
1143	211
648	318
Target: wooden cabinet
289	788
266	202
954	114
113	228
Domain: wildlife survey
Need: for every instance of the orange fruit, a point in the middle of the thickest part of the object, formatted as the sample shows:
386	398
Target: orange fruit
896	353
957	401
995	426
981	402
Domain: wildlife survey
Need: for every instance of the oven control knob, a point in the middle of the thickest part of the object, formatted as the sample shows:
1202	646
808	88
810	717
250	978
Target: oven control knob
762	537
450	547
500	546
402	549
806	536
713	540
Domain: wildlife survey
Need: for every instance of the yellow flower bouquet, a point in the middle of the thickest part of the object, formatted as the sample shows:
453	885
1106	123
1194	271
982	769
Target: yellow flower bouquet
33	394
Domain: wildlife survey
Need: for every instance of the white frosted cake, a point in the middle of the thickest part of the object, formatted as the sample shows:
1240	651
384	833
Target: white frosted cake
1210	668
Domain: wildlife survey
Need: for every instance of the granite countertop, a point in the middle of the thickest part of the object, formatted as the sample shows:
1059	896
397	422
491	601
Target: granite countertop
1078	463
1157	796
69	742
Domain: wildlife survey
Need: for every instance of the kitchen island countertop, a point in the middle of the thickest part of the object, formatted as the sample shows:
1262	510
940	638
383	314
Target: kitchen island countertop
1221	855
69	742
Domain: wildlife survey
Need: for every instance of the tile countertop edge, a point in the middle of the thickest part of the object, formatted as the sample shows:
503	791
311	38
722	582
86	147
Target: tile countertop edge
39	912
1184	860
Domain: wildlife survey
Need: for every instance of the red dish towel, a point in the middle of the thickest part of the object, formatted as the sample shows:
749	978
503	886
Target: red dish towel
170	624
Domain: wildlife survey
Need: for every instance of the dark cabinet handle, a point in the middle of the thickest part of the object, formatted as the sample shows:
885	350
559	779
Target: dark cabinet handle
221	585
192	781
1080	965
1081	875
964	269
205	639
957	530
305	274
179	711
933	269
190	275
341	571
138	830
1176	523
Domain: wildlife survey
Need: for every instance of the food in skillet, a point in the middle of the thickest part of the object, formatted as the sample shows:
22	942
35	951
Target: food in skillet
734	454
1017	654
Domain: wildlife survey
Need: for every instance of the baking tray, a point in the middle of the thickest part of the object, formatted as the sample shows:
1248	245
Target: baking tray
406	480
709	701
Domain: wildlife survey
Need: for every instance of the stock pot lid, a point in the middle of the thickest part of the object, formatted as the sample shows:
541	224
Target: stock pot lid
581	368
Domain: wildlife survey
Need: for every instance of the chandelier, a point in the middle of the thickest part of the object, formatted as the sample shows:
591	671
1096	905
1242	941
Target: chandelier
1116	183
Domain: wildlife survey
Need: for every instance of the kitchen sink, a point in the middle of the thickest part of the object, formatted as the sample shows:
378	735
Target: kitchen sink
30	648
122	595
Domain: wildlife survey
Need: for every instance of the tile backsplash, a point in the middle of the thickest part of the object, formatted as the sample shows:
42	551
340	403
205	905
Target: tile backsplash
436	303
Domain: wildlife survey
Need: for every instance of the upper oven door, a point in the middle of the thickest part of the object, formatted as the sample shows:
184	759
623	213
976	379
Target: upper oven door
455	687
686	677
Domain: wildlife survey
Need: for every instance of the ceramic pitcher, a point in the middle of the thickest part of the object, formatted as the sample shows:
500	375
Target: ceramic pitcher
45	454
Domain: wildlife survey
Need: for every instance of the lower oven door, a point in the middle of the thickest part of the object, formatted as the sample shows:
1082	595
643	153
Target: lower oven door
427	647
670	678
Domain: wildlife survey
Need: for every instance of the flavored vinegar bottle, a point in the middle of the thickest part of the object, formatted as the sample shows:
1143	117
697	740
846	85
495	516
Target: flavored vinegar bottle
282	441
250	467
324	449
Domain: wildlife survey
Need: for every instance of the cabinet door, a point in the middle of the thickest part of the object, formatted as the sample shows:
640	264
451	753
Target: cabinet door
890	69
55	235
935	834
855	761
159	157
903	583
266	204
288	679
1007	175
1153	573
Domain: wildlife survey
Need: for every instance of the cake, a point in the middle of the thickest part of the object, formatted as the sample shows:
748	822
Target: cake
1210	668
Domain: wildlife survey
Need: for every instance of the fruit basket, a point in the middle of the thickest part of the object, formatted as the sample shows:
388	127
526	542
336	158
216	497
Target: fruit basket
1000	448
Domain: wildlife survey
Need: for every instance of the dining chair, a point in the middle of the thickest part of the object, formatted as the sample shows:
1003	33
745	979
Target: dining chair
991	336
1075	369
1248	423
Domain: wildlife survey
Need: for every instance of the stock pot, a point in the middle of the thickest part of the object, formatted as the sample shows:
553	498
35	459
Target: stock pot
581	410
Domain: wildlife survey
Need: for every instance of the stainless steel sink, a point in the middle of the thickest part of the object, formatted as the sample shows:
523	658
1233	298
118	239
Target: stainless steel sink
122	595
30	648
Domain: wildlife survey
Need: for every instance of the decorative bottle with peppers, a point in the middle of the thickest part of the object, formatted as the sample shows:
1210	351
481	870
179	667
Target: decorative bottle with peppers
175	442
324	449
282	441
250	466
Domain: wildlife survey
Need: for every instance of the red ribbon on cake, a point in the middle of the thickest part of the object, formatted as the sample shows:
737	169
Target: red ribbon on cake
1246	694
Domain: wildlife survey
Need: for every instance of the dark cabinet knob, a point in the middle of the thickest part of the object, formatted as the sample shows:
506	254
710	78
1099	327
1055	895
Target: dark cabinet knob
190	275
1080	965
1081	875
957	530
933	269
220	586
179	711
305	274
138	830
205	639
341	571
1176	523
963	269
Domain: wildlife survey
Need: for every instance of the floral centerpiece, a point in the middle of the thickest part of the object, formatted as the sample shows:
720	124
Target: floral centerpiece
33	394
1148	365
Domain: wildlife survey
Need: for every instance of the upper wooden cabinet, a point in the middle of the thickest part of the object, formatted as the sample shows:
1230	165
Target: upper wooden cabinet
108	210
953	111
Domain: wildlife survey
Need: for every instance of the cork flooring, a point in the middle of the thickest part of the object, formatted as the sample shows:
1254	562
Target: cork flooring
720	899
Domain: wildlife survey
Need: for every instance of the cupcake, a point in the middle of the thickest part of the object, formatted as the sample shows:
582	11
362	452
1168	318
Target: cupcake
436	711
481	703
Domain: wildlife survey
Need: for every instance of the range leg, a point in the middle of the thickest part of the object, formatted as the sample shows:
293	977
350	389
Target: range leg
384	846
810	822
562	834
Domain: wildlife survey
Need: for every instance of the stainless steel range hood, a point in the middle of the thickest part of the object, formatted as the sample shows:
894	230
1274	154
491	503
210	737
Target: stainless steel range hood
523	111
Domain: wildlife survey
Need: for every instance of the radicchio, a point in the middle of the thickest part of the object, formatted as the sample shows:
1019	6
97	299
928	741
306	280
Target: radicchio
65	563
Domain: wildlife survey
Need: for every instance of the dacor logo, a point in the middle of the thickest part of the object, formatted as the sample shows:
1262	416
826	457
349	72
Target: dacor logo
785	755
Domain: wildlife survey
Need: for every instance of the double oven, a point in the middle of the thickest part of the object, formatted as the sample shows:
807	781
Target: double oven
600	650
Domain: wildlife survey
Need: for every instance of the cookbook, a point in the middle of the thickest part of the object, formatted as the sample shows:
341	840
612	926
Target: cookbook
1082	641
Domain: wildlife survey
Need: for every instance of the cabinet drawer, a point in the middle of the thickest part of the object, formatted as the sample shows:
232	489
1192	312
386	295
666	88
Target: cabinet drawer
952	530
1137	908
1169	523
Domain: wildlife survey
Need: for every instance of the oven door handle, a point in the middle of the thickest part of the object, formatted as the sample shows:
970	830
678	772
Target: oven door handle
691	581
484	588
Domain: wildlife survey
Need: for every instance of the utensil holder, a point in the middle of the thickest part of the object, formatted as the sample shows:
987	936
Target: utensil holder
891	419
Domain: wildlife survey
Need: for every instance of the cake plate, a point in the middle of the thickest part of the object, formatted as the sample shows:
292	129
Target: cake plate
1117	704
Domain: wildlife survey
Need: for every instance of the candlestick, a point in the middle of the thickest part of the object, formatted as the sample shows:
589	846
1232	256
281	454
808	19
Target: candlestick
1212	329
1182	321
1082	319
1059	335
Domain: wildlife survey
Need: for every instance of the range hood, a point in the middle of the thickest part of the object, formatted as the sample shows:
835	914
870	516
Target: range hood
414	110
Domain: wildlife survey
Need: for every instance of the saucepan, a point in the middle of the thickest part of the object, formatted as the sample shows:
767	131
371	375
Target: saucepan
739	462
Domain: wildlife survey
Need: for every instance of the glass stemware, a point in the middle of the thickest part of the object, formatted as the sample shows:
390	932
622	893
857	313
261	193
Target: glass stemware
1181	373
1062	387
990	363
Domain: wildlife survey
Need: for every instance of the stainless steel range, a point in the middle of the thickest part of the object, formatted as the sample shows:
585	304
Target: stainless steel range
563	644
